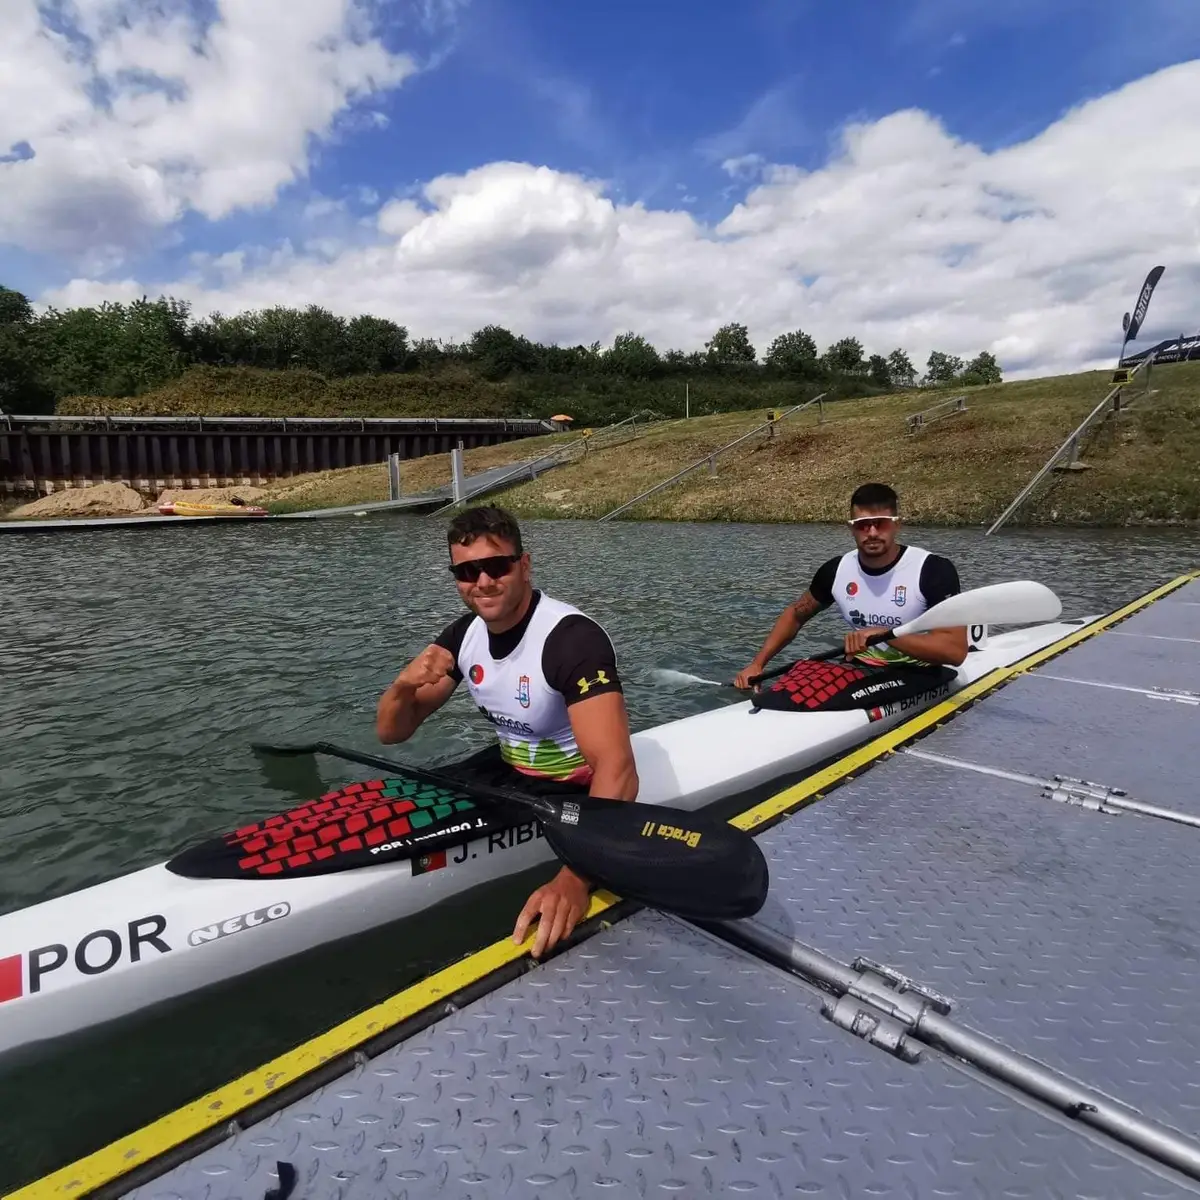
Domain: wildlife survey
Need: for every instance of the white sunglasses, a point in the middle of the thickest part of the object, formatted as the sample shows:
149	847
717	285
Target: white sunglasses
882	522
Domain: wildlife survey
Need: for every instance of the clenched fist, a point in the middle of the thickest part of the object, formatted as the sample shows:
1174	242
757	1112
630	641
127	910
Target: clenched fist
432	665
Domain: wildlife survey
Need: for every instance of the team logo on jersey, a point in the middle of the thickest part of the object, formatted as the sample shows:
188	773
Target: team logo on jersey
476	674
585	685
852	588
899	595
523	691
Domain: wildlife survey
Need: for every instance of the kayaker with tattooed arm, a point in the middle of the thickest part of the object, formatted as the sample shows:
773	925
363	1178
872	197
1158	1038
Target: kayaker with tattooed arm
543	673
877	586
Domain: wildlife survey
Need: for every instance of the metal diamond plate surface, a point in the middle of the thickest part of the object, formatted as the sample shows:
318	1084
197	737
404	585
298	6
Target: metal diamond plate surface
1176	615
1043	727
651	1061
1067	935
1127	656
1189	592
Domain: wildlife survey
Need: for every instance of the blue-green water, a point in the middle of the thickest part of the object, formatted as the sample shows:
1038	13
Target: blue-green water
137	665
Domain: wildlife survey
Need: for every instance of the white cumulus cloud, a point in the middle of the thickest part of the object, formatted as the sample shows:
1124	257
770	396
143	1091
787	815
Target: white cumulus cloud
135	114
907	236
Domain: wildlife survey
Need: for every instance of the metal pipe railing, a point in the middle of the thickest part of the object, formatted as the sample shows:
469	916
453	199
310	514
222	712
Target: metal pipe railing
708	458
1071	443
924	1017
552	458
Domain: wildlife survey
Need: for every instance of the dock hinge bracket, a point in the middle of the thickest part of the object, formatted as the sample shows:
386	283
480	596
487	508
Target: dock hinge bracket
883	1007
1094	797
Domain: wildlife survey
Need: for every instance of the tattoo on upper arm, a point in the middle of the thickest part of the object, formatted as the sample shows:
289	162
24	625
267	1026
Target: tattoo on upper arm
805	607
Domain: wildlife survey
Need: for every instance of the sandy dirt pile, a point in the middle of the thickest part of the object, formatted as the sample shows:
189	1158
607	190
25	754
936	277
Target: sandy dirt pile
117	500
102	500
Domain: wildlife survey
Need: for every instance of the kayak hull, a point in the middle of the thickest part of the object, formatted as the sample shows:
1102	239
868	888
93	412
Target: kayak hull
106	951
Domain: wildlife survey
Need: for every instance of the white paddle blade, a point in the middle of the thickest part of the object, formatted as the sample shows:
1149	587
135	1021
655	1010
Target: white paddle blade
1018	602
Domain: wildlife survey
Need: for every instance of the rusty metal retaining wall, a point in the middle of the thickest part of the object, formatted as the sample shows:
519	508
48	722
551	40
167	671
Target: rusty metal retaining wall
45	454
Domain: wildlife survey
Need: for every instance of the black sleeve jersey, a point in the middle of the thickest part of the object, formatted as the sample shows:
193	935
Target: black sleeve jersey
578	659
939	579
821	587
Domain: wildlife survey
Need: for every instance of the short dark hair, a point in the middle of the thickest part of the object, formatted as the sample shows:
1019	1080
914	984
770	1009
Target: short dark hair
875	495
484	520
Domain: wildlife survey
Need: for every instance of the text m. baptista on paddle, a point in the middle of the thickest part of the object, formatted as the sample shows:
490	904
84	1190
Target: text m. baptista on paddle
260	916
654	829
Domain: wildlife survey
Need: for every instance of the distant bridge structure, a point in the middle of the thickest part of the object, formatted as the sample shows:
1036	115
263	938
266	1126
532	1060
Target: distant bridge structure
42	454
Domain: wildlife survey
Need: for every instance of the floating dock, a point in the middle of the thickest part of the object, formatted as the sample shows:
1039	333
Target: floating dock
477	485
977	974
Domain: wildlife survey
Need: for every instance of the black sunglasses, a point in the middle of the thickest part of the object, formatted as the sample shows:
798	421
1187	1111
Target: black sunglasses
497	566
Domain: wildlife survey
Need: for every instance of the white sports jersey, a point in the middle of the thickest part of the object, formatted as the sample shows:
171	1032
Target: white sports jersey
885	600
530	717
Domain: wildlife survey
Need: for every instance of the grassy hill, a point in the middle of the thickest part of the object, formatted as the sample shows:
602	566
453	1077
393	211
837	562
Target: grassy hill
1143	467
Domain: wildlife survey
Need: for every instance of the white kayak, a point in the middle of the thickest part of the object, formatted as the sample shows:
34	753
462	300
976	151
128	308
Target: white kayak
107	951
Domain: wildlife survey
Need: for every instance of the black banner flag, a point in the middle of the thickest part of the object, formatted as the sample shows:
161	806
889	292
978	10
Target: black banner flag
1133	325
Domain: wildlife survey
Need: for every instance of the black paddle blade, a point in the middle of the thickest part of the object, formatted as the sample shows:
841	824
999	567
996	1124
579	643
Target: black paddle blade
686	863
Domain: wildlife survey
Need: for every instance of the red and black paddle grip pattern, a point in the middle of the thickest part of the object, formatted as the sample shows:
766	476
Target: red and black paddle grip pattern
813	684
341	829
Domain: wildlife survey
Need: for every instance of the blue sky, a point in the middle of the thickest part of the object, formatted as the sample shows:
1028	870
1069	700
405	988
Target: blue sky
653	101
654	96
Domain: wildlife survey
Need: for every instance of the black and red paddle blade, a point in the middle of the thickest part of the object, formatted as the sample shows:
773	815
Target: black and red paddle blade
360	825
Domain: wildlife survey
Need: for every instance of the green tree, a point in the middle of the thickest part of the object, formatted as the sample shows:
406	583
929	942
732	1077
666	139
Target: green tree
499	352
633	357
21	387
730	346
982	369
879	370
277	339
845	357
324	344
375	346
793	353
900	369
15	308
942	368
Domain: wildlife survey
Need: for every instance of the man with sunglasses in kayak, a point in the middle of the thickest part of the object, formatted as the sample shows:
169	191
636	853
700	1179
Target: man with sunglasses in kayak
876	587
543	673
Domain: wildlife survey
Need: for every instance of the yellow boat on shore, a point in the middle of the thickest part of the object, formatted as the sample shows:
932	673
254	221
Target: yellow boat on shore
191	508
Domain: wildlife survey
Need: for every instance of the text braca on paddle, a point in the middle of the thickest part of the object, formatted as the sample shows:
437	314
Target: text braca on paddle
362	824
687	863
